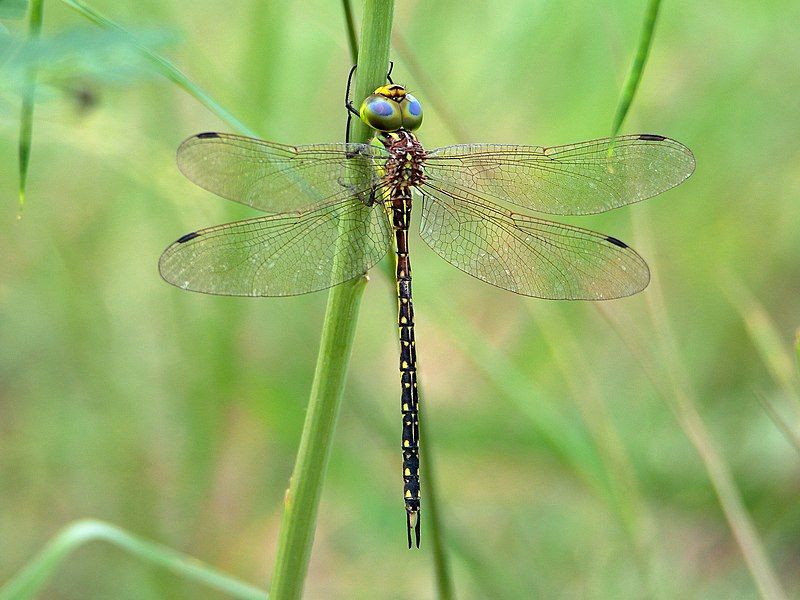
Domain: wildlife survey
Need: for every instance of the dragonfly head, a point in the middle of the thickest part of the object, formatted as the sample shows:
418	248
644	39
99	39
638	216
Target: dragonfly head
390	108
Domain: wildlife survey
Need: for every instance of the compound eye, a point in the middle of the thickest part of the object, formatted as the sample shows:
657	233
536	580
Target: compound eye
411	110
381	113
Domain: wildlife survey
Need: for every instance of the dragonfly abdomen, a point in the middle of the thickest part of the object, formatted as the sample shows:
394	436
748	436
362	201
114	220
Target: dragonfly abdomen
404	171
399	207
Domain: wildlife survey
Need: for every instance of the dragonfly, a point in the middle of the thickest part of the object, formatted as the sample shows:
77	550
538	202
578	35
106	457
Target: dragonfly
334	210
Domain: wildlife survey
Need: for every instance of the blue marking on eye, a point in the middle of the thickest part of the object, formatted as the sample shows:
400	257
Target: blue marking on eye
381	107
414	108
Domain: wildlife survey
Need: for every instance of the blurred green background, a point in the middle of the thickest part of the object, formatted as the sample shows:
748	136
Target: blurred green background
582	450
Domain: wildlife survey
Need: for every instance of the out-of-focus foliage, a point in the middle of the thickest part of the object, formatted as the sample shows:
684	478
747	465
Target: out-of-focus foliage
563	471
72	59
13	9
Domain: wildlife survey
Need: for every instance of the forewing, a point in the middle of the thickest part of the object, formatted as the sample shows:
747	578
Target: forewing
576	179
274	177
281	255
527	255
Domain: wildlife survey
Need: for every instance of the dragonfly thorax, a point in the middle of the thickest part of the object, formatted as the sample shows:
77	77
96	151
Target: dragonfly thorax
404	167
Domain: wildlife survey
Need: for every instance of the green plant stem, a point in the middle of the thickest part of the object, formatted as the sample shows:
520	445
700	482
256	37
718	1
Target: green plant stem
351	29
305	488
26	113
764	333
637	68
797	349
164	67
441	560
35	575
680	396
791	436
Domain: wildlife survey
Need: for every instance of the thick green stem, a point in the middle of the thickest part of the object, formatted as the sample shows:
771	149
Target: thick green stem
305	488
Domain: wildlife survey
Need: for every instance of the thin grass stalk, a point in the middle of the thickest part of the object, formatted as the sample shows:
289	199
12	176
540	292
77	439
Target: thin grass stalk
567	438
350	25
637	68
797	349
622	492
305	488
680	397
783	426
441	560
32	579
26	112
765	335
681	400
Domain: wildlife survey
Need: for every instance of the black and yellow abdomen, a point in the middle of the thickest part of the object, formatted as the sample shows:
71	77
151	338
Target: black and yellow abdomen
404	170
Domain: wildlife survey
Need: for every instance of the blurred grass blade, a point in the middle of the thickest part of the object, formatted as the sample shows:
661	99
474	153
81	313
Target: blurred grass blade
765	335
260	72
797	349
13	9
30	581
791	436
338	330
351	30
566	437
441	561
623	496
676	390
637	68
26	115
436	98
164	67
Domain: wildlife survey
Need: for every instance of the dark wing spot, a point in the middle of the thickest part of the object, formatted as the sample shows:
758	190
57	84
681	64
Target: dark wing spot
651	137
187	237
206	135
614	241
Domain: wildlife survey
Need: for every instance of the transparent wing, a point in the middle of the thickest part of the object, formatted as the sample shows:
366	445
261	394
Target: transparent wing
281	255
274	177
526	255
576	179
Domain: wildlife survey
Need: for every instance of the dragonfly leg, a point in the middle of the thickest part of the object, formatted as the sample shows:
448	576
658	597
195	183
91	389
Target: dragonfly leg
348	103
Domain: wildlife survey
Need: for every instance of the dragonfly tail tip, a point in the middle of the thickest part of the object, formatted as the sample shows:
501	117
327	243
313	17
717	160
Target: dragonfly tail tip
413	524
